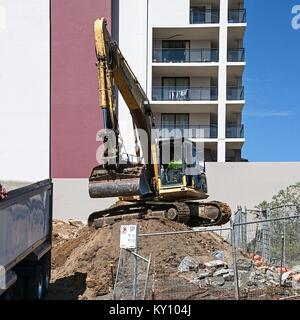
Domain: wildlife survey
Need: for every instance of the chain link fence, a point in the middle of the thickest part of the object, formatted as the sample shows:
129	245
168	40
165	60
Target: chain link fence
253	258
269	241
132	276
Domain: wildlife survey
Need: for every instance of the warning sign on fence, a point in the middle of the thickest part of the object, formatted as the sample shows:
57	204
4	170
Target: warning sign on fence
128	236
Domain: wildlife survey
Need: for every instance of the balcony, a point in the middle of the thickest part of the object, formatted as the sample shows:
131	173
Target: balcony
236	55
185	55
235	93
201	16
191	132
235	131
237	16
184	94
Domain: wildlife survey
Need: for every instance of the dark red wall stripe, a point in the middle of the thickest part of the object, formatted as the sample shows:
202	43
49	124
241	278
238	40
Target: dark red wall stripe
75	116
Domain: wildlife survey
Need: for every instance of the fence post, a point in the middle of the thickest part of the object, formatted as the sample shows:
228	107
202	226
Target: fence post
135	266
117	274
147	276
233	246
284	237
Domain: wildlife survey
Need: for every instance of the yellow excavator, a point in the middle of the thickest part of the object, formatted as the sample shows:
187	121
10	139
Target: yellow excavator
147	187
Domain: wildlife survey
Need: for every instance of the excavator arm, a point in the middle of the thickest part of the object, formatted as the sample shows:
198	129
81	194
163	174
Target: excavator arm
114	72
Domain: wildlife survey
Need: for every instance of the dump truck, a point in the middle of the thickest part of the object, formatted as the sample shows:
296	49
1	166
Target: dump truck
147	187
25	242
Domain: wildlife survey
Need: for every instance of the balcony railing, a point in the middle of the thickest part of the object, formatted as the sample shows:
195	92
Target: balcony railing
236	55
237	16
234	131
235	93
198	16
184	94
185	55
191	132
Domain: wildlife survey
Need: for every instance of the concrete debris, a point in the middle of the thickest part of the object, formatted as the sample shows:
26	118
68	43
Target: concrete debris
221	272
296	269
202	275
188	264
219	255
215	264
295	284
244	264
218	282
286	275
76	223
229	276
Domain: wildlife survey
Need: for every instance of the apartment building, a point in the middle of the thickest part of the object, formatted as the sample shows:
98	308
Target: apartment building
189	57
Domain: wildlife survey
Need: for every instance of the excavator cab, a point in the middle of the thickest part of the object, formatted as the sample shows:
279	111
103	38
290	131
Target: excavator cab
181	171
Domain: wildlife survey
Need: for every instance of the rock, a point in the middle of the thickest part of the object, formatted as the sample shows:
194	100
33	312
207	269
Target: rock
286	275
296	282
252	276
270	274
251	283
218	282
214	264
91	283
296	269
202	275
221	272
76	223
262	269
188	264
244	265
229	276
219	255
263	281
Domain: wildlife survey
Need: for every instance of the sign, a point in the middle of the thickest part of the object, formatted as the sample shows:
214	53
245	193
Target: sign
128	236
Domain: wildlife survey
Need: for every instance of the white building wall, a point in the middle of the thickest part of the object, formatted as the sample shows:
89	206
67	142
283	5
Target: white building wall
238	184
248	184
168	13
133	44
222	91
24	89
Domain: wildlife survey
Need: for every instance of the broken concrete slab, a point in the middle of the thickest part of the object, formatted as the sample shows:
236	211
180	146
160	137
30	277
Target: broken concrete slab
221	272
202	275
218	282
215	264
188	264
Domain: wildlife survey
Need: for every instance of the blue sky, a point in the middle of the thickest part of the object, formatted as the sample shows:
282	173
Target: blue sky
272	82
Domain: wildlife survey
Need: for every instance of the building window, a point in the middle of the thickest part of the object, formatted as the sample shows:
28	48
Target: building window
174	121
176	89
175	51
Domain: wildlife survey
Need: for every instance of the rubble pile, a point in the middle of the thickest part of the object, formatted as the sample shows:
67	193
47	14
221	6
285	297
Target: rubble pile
214	273
217	273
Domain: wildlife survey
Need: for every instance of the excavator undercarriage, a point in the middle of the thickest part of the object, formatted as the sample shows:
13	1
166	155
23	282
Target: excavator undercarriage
192	213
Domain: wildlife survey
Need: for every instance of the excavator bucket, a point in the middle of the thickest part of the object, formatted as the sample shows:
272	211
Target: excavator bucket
125	182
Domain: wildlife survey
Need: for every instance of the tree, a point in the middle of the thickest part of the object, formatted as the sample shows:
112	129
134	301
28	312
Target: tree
288	196
290	227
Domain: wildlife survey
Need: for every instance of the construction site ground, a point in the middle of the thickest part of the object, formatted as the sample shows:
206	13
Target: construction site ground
81	259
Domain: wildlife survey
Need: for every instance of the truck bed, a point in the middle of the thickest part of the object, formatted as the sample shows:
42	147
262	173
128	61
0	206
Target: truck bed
25	222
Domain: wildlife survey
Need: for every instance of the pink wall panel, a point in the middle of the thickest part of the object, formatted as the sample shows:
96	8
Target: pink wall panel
75	116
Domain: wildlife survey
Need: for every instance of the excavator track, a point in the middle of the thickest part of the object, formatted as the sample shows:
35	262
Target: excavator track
196	214
184	212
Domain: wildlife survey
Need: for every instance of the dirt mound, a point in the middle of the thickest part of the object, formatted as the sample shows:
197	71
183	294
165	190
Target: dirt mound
81	255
